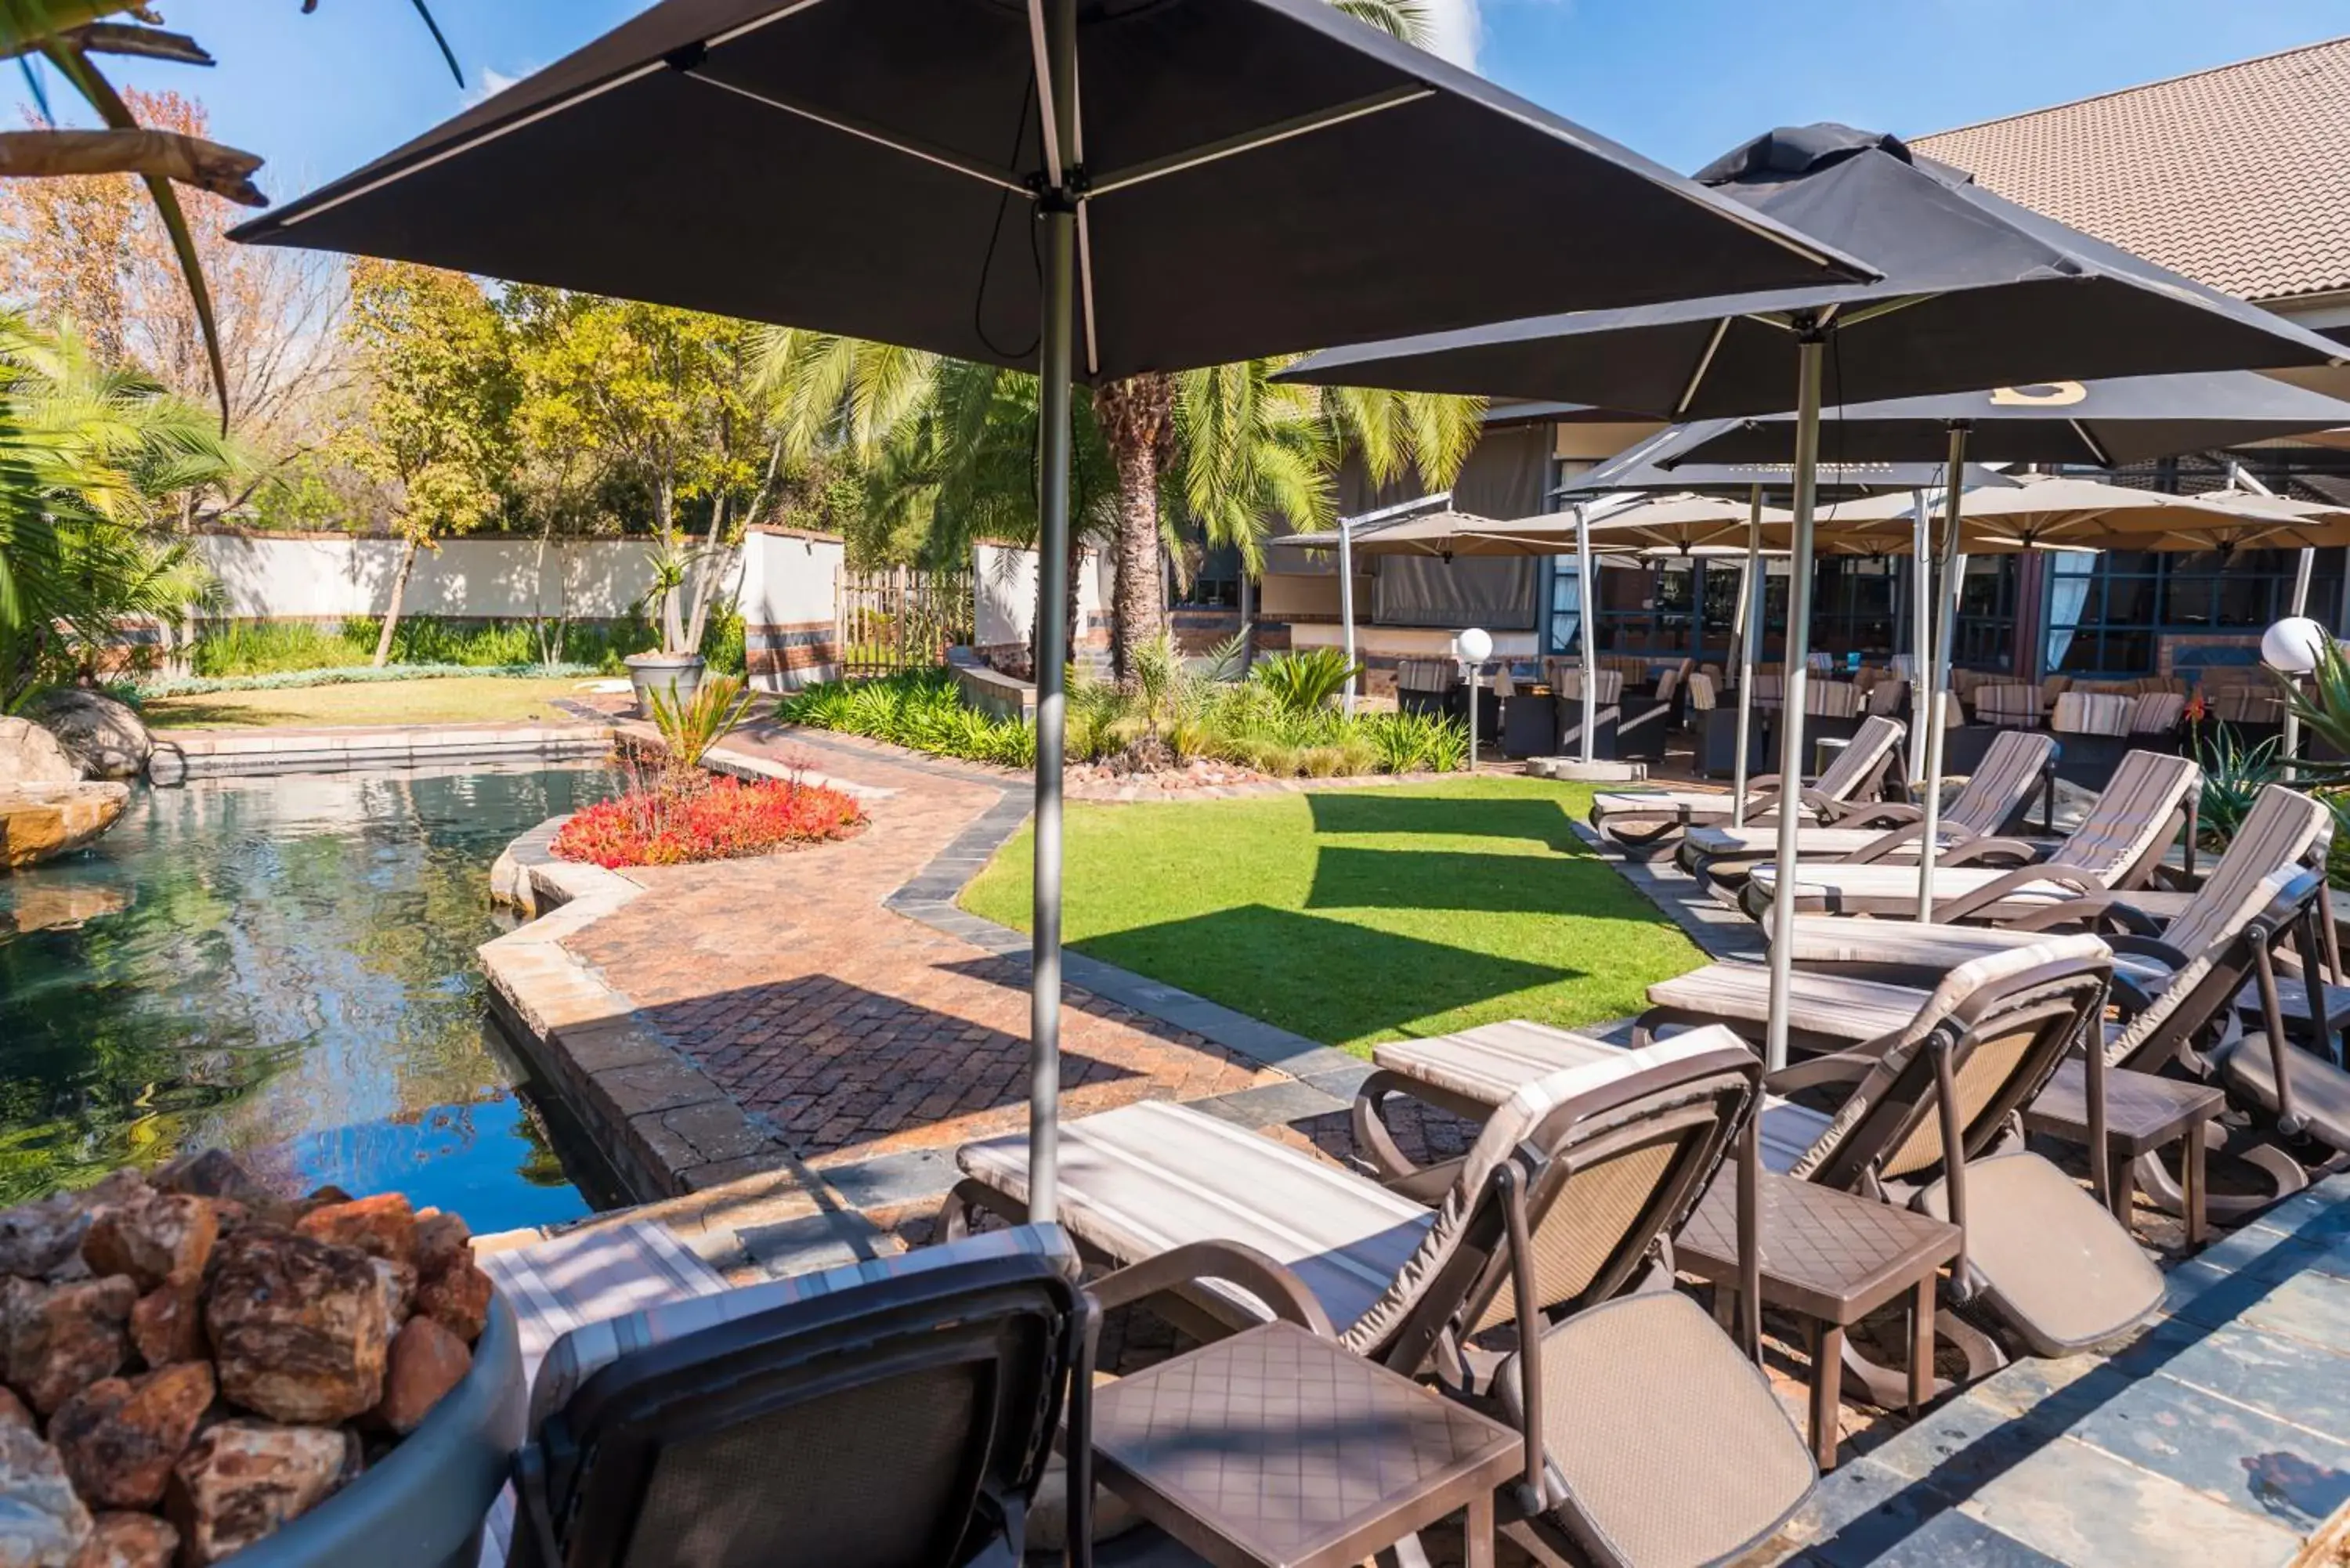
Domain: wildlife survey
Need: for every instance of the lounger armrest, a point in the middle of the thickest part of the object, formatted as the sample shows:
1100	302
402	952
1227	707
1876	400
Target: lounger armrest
2093	911
1840	1067
1878	848
1233	1263
1884	813
2139	946
1988	896
1990	846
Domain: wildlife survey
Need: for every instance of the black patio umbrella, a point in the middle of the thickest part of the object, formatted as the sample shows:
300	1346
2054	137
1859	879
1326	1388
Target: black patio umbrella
1092	190
2094	424
1978	292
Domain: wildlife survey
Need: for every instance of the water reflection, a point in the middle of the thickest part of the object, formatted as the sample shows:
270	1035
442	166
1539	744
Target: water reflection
282	966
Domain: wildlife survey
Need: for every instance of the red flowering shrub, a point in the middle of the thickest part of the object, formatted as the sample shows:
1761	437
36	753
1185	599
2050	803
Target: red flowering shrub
719	820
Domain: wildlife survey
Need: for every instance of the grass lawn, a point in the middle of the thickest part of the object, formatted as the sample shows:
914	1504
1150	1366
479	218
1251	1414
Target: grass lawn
447	699
1361	915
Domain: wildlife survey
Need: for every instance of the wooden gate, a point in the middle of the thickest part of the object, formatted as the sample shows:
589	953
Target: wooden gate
900	619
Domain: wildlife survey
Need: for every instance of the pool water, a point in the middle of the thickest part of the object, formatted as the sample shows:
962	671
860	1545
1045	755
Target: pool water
284	967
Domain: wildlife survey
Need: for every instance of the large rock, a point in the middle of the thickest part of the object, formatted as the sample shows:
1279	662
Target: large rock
426	1362
168	1323
13	1412
382	1226
103	737
36	1238
156	1237
42	1523
300	1328
240	1480
120	1435
41	820
57	1340
129	1540
458	1298
31	755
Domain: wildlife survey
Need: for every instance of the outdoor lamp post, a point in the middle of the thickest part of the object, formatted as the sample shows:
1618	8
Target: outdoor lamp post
1473	647
2291	647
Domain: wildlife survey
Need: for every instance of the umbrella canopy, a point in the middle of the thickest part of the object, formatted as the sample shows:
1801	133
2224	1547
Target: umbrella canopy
2045	512
1978	292
1633	470
1193	182
1442	534
2096	424
1255	176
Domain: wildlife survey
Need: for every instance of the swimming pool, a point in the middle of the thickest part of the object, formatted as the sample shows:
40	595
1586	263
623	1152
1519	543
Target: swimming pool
285	967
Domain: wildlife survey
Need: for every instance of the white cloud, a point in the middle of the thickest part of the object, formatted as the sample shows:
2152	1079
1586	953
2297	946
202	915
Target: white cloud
1454	30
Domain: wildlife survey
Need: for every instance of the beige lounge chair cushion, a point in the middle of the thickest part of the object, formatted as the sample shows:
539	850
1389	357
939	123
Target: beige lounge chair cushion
1684	806
1891	891
1722	842
1488	1062
1831	1005
1153	1175
1665	1445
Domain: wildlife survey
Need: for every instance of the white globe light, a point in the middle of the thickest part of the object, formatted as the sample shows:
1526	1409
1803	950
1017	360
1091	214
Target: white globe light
2292	645
1472	646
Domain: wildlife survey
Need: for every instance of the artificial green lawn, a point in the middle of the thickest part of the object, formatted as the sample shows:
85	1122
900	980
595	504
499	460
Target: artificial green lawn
1354	916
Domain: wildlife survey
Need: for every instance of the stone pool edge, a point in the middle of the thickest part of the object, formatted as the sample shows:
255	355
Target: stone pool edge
667	1130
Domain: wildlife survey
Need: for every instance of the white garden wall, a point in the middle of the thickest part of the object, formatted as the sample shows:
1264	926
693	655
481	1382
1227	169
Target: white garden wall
1004	584
332	576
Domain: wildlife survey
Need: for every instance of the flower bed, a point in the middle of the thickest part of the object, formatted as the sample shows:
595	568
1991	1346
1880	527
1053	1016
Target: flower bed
674	822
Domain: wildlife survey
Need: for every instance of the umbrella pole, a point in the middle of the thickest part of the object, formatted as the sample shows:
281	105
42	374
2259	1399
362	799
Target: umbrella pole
1347	604
1790	712
1946	630
1583	571
1921	637
1749	643
2291	743
1054	334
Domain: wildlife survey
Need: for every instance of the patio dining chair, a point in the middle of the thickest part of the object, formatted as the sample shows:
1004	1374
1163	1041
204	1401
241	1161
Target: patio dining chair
1553	1221
2020	763
2149	802
892	1412
1937	1071
1639	819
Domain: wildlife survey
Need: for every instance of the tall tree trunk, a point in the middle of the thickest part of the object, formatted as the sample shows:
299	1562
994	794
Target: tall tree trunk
391	610
1248	621
1137	418
673	602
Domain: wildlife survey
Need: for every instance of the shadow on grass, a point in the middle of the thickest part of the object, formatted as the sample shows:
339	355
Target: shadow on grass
1535	821
1348	878
195	713
1326	980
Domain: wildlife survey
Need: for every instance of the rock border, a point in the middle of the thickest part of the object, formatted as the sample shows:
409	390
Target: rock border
666	1129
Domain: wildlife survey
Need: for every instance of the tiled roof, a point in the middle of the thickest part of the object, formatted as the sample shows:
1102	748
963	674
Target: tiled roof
2237	176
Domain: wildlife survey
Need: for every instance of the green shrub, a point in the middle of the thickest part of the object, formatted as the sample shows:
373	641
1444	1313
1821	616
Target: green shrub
1302	682
921	709
271	648
2233	777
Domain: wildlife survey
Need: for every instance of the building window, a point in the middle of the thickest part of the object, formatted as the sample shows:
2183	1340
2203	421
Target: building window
1986	623
2129	600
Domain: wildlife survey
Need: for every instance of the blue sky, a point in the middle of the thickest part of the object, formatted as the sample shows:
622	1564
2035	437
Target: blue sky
1682	80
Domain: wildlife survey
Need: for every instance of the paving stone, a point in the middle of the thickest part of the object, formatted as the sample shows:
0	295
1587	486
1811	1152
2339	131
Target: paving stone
2083	1507
601	1047
894	1178
2282	1376
2251	1460
1943	1539
661	1085
814	1244
2313	1307
1274	1102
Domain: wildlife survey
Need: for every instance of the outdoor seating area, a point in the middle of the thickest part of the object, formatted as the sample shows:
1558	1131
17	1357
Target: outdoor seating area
1103	811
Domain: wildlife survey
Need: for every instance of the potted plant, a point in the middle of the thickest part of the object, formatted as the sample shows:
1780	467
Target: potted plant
675	671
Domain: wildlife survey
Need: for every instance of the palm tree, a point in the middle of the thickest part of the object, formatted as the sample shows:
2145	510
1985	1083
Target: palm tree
89	461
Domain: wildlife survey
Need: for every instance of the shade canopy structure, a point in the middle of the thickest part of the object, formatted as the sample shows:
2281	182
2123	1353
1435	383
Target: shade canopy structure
1090	189
1440	534
1977	292
2050	512
1632	470
2096	424
1253	177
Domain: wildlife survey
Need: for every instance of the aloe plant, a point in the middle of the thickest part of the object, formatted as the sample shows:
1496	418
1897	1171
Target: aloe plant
1302	682
2322	706
690	726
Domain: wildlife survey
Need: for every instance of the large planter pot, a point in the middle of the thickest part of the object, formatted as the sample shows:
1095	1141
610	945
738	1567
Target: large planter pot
677	674
425	1504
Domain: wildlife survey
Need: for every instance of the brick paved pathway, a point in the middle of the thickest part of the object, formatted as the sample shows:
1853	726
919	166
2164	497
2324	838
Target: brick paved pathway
856	1031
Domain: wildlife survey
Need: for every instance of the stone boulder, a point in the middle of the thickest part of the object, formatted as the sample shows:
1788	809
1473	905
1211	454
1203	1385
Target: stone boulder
168	1323
41	820
382	1226
56	1340
240	1480
104	738
457	1297
129	1540
300	1328
42	1523
426	1362
31	755
155	1238
120	1435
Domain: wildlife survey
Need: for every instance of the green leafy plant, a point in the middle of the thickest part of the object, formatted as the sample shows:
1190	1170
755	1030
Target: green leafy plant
2322	706
2233	777
690	726
1304	680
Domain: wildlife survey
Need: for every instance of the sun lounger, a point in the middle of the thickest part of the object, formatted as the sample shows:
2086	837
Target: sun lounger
2151	799
1639	818
2019	762
1553	1215
2041	1254
895	1411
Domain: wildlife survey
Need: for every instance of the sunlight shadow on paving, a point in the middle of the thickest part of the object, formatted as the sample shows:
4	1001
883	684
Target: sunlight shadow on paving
1351	879
1536	820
